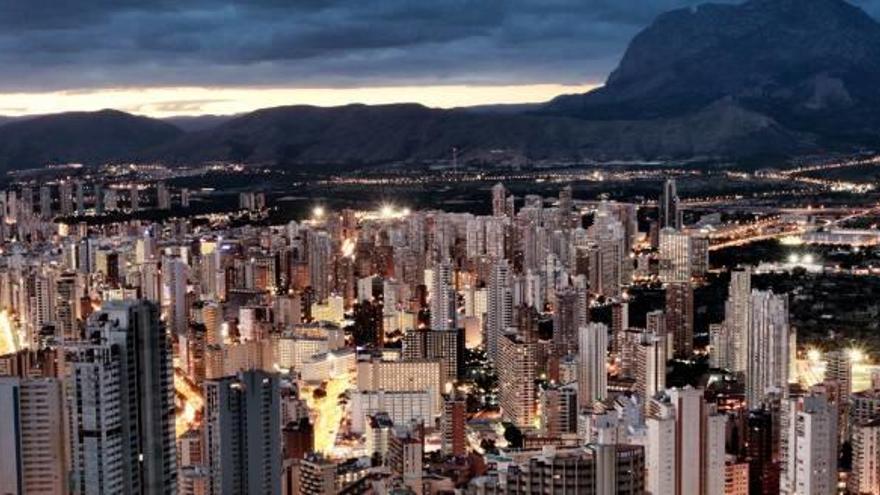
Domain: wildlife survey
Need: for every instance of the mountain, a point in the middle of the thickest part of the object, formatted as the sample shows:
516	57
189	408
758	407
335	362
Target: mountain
87	137
191	123
764	77
812	66
360	135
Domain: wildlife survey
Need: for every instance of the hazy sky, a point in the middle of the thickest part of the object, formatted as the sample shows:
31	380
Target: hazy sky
166	57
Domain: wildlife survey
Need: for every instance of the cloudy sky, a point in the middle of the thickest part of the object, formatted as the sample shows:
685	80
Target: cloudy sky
171	57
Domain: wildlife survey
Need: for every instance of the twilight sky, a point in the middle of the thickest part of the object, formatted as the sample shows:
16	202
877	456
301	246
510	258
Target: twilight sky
171	57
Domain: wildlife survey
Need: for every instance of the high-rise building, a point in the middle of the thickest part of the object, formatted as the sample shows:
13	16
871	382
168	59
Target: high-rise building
737	317
675	256
80	198
111	200
242	434
767	346
517	394
680	317
444	345
608	261
670	215
402	376
809	455
865	475
566	206
443	297
736	477
31	433
46	201
838	372
499	307
174	306
570	313
68	293
163	196
721	350
559	410
591	470
592	364
65	197
317	476
134	195
760	449
499	201
120	402
452	425
27	201
319	260
99	192
619	325
406	449
650	365
685	444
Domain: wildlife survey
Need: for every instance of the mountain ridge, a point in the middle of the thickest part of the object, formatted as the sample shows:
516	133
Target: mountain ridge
763	77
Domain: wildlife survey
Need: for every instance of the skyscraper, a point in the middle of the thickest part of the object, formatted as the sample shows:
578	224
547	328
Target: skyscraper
319	259
675	256
608	259
685	444
680	317
499	201
737	316
120	403
163	196
80	198
174	306
865	475
31	429
242	434
767	346
570	312
760	449
517	395
46	201
619	325
592	364
134	196
670	216
650	365
720	346
838	370
452	425
566	206
809	459
65	197
499	307
443	297
444	345
590	470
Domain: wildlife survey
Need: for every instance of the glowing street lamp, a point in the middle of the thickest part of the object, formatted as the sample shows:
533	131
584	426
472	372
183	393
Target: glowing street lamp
856	355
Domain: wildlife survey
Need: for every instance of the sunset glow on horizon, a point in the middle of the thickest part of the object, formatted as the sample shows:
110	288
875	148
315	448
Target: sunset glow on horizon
180	101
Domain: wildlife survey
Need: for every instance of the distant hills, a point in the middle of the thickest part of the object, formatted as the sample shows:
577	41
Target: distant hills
766	77
87	137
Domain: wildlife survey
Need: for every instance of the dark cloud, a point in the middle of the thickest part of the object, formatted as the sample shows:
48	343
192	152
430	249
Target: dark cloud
51	44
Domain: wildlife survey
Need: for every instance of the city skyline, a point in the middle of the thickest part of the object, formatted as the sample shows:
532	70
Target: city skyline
471	247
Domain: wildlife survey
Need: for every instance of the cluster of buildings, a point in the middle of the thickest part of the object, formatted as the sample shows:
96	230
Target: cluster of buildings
417	352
